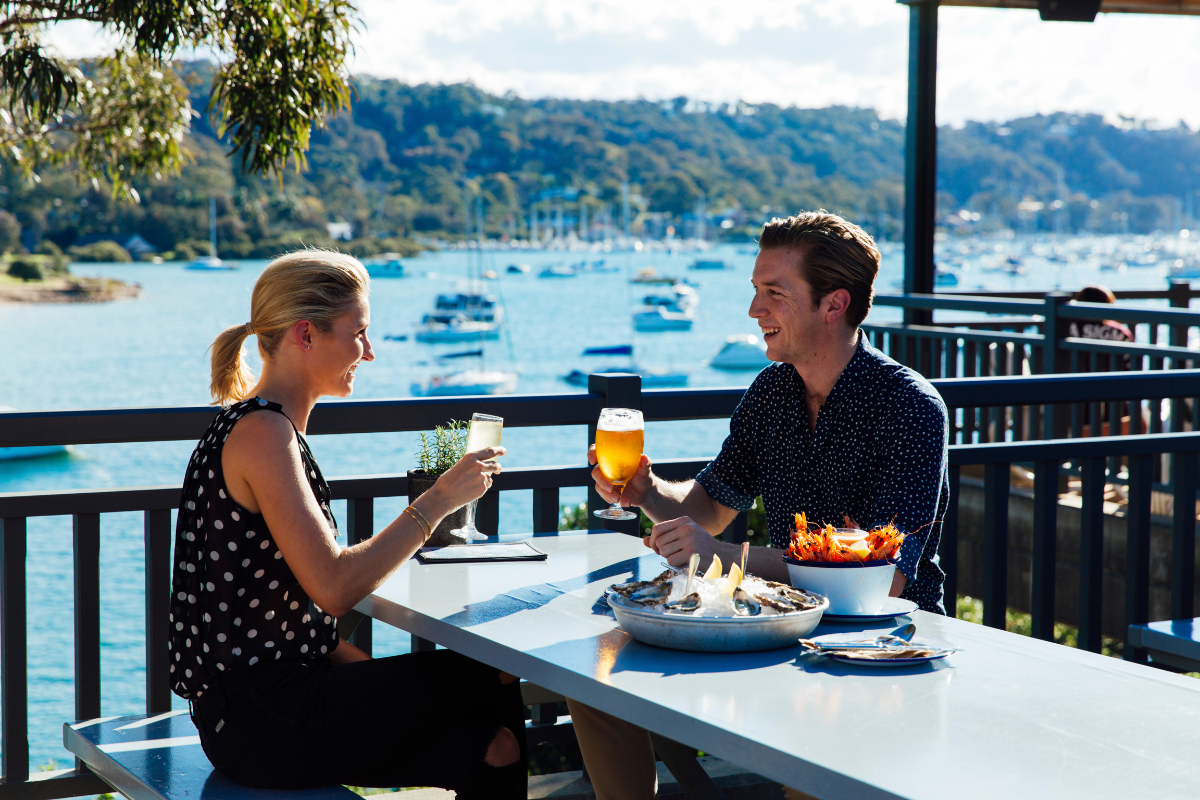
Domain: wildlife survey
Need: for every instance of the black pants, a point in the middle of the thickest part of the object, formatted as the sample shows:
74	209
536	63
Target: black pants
423	719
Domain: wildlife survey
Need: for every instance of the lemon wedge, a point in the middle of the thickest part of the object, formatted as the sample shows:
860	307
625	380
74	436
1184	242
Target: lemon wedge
714	569
861	549
735	577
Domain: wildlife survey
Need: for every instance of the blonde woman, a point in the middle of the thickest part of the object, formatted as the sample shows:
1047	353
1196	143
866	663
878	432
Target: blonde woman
259	580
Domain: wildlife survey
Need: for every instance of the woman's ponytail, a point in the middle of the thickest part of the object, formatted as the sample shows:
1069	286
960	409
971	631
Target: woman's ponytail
231	375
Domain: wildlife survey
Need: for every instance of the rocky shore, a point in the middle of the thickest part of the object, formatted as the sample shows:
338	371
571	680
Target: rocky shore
69	290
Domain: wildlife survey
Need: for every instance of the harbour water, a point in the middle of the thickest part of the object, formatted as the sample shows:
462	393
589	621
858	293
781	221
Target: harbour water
152	352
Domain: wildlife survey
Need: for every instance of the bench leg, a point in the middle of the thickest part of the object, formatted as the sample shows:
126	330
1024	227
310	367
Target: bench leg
681	760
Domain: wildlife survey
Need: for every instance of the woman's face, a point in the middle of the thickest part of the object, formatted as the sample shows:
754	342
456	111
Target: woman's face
336	353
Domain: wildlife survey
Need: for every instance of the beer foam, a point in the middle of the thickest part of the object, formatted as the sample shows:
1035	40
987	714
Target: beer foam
619	425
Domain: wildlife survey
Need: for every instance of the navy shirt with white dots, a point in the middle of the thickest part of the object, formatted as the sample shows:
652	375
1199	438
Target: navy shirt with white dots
878	455
234	599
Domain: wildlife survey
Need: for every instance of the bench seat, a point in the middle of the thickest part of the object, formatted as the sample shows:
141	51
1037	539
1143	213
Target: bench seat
160	758
1173	642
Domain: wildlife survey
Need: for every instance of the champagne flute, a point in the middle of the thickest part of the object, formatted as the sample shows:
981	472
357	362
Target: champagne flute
620	435
484	432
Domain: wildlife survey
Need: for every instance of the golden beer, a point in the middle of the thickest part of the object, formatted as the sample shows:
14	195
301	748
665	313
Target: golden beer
619	453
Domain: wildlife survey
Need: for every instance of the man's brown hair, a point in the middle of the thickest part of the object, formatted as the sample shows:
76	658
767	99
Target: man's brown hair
836	255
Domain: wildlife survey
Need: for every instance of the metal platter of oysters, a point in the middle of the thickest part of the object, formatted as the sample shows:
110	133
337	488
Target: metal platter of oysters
714	612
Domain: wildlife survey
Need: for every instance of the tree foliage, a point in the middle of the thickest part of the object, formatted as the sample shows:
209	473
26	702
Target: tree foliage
282	71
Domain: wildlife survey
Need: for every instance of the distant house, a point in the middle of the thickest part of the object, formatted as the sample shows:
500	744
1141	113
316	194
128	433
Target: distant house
340	230
137	246
134	243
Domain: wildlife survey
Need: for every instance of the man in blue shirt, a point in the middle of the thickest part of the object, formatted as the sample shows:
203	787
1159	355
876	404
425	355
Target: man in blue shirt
835	429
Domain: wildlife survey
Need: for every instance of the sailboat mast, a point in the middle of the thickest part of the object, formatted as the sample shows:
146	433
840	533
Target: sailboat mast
212	226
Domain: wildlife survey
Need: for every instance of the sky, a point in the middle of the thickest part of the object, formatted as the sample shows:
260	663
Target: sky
993	64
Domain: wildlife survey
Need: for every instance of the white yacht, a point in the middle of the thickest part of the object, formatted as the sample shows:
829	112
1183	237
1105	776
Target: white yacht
457	330
467	382
660	319
741	351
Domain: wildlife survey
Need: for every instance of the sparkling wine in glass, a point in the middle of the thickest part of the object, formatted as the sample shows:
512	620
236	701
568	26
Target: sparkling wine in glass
484	432
620	434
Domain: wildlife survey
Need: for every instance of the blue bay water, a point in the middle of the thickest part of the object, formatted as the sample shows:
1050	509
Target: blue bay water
152	352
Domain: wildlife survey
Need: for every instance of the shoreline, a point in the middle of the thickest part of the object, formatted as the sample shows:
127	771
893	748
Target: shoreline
69	290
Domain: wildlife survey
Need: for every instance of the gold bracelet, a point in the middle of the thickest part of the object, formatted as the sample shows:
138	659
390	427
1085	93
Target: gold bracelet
422	523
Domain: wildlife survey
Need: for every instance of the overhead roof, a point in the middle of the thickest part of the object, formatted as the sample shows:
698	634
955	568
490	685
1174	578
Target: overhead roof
1106	6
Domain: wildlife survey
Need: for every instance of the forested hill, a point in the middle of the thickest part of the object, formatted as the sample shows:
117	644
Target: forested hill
400	162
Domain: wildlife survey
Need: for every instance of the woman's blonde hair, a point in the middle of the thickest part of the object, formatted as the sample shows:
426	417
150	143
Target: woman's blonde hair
313	285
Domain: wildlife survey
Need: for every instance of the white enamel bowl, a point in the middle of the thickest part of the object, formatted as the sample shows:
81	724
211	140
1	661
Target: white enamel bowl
852	588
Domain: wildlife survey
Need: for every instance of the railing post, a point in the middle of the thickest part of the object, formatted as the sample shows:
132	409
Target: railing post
920	156
1183	536
995	544
487	513
738	531
545	510
1045	527
14	687
360	524
1137	550
158	610
1053	332
87	616
1091	553
620	390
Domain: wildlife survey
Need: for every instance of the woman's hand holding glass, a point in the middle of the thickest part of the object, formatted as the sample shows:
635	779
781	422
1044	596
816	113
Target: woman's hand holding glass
468	479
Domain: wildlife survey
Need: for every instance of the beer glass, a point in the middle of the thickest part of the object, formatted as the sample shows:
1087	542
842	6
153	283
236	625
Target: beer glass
484	432
620	434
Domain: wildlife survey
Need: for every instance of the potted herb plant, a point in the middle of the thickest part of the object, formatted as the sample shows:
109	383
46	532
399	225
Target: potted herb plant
439	451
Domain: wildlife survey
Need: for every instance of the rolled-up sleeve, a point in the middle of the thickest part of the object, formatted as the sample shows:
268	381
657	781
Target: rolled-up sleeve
911	477
732	477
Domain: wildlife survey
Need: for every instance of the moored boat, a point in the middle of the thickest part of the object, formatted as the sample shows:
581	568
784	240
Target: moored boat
741	351
467	382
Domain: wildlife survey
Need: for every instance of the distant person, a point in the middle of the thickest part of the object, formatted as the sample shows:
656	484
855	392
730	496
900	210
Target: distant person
834	429
281	702
1105	330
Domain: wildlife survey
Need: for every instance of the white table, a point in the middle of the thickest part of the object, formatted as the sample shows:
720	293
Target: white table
1007	717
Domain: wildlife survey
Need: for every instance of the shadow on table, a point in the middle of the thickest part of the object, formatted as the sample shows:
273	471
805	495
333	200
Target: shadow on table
537	595
811	662
637	657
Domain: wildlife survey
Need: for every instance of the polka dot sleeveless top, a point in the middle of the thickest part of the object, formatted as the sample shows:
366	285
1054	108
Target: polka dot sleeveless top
234	600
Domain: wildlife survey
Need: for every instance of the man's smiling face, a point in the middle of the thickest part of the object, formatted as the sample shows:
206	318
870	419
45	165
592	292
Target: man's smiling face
784	305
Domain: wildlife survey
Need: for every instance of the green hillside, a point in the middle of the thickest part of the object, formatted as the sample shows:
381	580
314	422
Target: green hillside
400	164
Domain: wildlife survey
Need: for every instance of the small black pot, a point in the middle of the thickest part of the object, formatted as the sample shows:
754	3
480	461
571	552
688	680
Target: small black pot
420	482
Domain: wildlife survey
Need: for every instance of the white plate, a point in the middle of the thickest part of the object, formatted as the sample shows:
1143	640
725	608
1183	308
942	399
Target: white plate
892	607
920	641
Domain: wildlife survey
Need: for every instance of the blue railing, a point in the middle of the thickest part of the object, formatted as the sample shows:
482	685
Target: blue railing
1051	396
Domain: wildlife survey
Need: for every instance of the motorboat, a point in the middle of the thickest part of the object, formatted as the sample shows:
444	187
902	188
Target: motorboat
462	307
708	264
651	275
680	298
651	378
945	277
557	271
519	269
467	382
392	268
457	330
741	351
613	350
660	319
208	263
14	453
